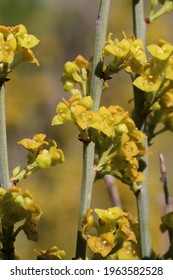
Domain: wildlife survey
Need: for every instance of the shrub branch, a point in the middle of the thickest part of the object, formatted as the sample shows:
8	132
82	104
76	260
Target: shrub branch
4	171
142	196
88	173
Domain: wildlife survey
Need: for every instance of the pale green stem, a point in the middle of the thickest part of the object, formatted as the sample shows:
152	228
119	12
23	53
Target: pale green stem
88	173
101	31
142	196
4	171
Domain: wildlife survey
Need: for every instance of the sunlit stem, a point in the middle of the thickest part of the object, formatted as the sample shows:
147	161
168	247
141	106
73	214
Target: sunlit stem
4	171
88	173
142	196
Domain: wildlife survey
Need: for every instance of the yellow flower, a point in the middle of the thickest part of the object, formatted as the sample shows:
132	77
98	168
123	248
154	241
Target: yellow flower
128	252
105	122
24	39
35	143
119	49
124	227
129	150
110	215
137	50
84	118
102	244
63	114
16	40
160	52
149	81
7	48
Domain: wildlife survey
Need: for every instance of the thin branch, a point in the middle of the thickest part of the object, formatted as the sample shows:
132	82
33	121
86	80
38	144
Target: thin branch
139	97
88	173
163	179
4	171
101	31
111	185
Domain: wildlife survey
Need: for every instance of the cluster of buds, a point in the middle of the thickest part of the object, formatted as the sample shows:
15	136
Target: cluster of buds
15	42
17	206
39	157
76	74
114	231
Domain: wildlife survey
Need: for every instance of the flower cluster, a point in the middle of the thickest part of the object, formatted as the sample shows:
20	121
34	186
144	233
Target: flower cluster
114	232
154	76
15	41
16	206
126	54
38	156
118	141
158	70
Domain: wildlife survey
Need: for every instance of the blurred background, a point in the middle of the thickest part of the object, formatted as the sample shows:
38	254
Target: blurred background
66	28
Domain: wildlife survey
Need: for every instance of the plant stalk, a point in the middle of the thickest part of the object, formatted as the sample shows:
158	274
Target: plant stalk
142	196
100	38
4	171
88	173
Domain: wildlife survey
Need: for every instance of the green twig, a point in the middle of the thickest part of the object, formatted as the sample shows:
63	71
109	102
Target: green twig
139	97
4	171
88	174
101	30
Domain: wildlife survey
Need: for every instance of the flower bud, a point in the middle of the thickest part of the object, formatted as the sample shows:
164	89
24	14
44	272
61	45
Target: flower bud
121	128
70	68
87	102
68	86
43	160
56	156
19	199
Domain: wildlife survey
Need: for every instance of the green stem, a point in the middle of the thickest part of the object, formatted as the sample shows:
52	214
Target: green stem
139	97
4	171
101	31
88	176
88	173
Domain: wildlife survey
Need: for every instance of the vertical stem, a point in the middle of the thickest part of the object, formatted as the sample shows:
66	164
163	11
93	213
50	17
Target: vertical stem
101	31
89	148
139	97
4	171
86	189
